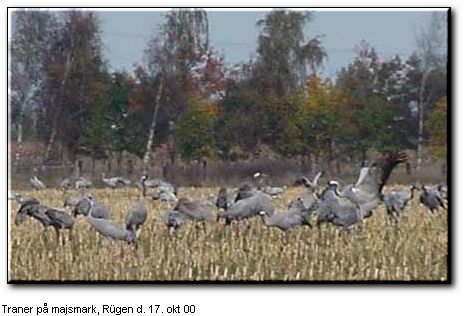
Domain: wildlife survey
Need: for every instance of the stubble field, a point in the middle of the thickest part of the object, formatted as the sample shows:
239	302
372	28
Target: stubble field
414	249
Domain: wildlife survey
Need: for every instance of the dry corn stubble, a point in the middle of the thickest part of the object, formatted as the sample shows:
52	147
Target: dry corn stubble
414	249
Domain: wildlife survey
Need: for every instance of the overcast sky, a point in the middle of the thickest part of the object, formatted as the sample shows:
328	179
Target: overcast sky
234	33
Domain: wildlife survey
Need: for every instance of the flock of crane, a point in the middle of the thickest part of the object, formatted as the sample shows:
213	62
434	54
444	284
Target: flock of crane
340	206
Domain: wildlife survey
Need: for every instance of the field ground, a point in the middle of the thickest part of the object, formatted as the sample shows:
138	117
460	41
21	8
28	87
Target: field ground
414	249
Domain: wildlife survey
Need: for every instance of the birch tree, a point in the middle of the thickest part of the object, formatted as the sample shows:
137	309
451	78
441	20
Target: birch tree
432	49
31	40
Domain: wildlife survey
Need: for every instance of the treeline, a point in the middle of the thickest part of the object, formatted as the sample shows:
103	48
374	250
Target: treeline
183	97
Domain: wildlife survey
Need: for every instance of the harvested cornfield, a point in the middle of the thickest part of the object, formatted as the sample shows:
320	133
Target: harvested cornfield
414	249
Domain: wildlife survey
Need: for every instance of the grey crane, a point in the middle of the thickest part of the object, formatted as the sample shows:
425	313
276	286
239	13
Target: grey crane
46	216
286	221
264	186
329	200
333	186
359	201
35	210
83	184
305	203
195	210
112	230
165	196
71	201
308	199
137	216
310	185
173	220
249	207
60	220
396	201
443	190
274	191
298	214
36	184
367	193
163	186
332	208
431	198
223	199
245	190
65	185
21	199
114	182
87	205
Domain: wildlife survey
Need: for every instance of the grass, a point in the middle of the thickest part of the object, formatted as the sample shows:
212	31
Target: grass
414	249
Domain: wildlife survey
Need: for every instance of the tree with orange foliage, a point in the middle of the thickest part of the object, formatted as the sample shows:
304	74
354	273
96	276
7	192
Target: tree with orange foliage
322	113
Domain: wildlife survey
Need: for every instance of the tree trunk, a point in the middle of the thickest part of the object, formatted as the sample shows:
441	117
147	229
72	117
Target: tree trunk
314	163
77	168
130	167
119	160
151	132
408	168
51	140
60	155
364	158
329	156
20	132
108	164
421	120
338	166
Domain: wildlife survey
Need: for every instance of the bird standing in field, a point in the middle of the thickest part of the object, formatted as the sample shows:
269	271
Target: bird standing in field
443	189
137	216
161	185
249	207
71	201
198	211
296	215
114	182
245	190
46	216
264	186
286	221
83	184
87	205
431	198
65	185
310	185
396	201
308	198
22	200
98	218
35	183
223	200
165	196
358	202
173	220
111	229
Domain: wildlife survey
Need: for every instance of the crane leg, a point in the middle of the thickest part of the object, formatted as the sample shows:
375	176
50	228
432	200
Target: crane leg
57	231
45	236
392	219
286	236
236	228
70	234
204	227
